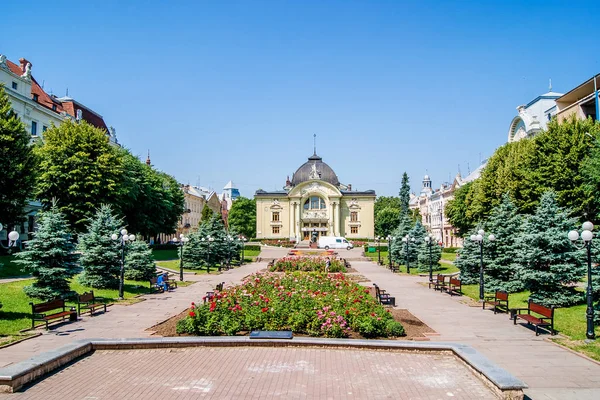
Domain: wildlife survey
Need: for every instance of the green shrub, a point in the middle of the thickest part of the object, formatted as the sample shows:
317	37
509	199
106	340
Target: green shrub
450	249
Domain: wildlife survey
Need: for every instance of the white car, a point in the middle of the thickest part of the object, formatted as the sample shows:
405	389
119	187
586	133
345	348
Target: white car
334	242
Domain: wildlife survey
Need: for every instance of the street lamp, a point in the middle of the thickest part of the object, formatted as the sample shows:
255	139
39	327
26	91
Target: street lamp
123	238
429	241
377	239
181	242
13	236
390	238
587	236
406	239
228	239
208	240
479	239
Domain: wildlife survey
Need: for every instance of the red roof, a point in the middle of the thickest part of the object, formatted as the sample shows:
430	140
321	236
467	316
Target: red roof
69	106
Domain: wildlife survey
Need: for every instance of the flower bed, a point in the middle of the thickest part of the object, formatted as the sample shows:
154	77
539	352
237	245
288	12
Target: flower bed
307	264
307	303
278	242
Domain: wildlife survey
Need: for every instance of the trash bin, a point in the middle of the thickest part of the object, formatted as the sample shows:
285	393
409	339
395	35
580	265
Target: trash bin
393	301
73	316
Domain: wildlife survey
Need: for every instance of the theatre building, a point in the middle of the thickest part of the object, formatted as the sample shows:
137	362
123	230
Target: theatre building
314	201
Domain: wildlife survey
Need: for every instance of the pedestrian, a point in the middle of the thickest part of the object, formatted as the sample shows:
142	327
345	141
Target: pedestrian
327	264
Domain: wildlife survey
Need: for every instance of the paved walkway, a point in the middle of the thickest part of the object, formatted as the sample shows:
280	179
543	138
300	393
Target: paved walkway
261	373
550	371
122	321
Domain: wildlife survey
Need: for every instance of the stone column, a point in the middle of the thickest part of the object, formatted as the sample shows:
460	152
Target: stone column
339	219
300	221
332	218
292	229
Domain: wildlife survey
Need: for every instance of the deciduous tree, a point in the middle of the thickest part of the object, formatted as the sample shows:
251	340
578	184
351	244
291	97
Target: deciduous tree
242	217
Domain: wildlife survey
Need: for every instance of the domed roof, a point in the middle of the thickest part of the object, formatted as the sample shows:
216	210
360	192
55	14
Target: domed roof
315	168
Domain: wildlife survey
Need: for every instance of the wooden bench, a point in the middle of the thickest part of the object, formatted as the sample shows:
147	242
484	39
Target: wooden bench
383	297
210	295
439	283
500	299
38	312
154	285
89	302
454	286
546	319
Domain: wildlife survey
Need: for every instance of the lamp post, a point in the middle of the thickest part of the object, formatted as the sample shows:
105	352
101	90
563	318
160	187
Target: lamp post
429	241
586	237
407	239
13	236
377	239
208	240
181	242
390	238
228	239
123	239
479	239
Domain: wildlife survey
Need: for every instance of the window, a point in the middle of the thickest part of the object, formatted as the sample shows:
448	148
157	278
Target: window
314	203
354	229
35	97
33	128
14	85
44	128
276	216
353	216
275	230
53	107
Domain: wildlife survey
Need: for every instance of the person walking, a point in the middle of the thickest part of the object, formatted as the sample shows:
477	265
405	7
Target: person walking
327	264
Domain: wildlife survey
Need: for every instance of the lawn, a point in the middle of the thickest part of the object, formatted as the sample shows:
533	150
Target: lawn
449	256
444	269
15	314
8	268
569	321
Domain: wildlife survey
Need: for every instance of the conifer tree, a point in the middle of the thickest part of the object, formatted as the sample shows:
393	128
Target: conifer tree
418	233
404	194
50	257
550	265
468	260
100	255
423	256
398	247
17	164
139	264
502	270
200	252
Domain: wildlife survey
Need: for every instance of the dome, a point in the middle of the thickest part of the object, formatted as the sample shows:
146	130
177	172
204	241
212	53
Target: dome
315	168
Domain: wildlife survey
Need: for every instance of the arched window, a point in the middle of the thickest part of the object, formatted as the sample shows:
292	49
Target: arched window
314	203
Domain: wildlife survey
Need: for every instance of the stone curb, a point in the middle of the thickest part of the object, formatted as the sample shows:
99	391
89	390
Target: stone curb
14	377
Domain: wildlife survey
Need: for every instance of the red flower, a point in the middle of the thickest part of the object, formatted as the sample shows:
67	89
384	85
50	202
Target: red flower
193	303
265	309
347	312
192	314
213	305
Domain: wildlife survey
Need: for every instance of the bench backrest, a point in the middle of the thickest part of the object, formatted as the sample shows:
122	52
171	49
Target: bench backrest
455	281
440	278
49	305
501	295
377	292
86	297
540	309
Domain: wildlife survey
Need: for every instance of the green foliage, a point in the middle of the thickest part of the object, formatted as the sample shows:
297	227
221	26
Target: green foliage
307	264
150	201
550	265
242	216
200	252
456	210
502	269
386	202
17	164
557	159
50	257
468	260
386	220
78	167
397	249
100	255
404	194
426	252
207	214
139	263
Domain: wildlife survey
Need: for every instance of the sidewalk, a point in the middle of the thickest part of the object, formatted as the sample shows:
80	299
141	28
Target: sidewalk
550	371
123	321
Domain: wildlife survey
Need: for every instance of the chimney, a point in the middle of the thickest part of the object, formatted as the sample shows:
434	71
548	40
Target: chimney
23	63
350	187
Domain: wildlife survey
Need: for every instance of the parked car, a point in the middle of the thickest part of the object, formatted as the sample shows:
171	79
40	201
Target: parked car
334	242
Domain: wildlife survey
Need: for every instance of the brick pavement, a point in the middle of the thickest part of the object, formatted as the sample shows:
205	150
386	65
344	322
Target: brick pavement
550	371
261	373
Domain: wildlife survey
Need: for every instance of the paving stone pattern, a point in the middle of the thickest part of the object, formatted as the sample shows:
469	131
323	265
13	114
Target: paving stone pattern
261	373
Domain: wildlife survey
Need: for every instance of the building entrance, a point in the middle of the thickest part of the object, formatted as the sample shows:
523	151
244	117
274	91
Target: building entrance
308	228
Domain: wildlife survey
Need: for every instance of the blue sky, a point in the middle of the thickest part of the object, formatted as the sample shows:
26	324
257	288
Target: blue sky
236	89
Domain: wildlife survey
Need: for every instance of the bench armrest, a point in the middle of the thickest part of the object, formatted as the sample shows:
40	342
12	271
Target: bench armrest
515	310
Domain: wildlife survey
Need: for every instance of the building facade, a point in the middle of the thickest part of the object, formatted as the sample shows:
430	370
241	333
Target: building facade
39	111
534	116
314	202
582	101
